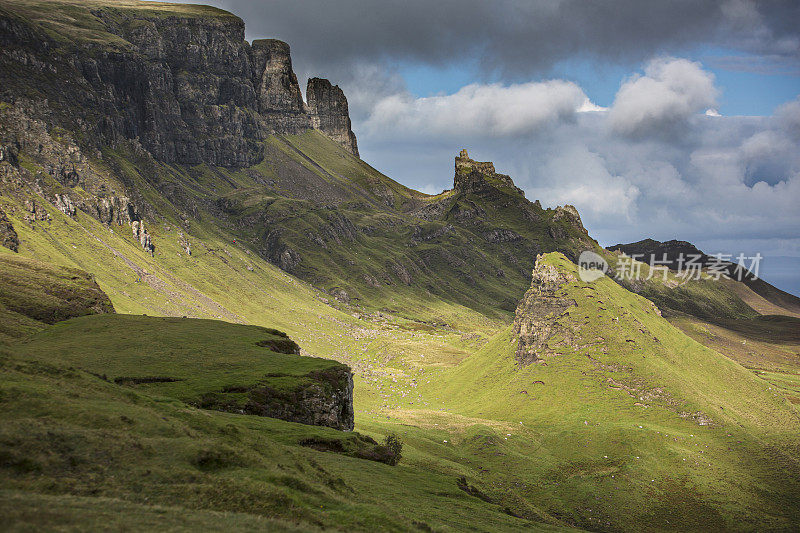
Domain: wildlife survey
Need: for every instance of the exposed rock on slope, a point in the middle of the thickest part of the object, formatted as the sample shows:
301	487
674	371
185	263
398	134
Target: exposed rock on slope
327	106
475	176
279	98
8	236
327	400
536	320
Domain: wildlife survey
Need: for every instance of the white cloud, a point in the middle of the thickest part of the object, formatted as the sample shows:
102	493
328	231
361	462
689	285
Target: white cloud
725	179
788	116
575	175
485	110
670	91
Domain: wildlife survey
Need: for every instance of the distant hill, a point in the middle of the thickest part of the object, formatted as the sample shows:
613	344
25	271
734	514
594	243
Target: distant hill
675	254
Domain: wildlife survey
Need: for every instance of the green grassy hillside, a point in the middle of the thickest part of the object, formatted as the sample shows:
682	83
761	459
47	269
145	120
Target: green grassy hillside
75	448
206	363
34	294
442	376
630	414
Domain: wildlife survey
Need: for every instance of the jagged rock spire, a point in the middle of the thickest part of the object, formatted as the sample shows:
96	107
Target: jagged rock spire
475	176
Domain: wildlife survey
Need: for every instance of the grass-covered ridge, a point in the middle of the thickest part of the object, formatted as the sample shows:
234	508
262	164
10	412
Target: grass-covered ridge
69	439
627	424
425	370
78	22
630	414
33	294
195	361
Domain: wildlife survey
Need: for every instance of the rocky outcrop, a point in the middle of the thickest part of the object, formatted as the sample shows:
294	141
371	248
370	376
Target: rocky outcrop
187	87
323	398
141	234
280	101
536	319
64	204
327	107
568	213
8	235
479	177
501	235
35	212
278	252
117	210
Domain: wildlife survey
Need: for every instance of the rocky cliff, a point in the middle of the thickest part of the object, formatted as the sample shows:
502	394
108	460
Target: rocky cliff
536	320
185	84
326	400
280	101
476	176
327	106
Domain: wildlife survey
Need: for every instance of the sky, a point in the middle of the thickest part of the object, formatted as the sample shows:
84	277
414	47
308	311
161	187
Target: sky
671	120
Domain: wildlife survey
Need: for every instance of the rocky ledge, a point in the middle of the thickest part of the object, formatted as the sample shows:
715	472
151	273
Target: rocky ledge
477	176
322	398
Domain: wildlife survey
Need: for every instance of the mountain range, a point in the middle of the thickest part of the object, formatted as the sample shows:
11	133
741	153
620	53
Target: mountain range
214	314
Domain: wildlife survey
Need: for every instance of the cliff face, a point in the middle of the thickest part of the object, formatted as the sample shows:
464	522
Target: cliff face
189	88
325	401
8	235
184	88
536	320
279	99
327	106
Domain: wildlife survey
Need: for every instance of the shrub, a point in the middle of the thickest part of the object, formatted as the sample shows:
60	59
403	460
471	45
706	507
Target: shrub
395	448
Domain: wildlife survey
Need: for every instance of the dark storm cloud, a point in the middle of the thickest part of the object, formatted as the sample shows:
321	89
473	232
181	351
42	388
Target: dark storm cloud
515	38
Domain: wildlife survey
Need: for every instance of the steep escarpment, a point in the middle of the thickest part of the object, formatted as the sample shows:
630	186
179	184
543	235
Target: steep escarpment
280	101
161	118
184	83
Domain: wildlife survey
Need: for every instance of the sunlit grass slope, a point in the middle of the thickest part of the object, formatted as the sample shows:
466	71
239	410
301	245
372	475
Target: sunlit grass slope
630	421
196	361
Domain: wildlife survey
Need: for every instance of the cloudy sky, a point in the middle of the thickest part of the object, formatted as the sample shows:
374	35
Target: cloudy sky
670	119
